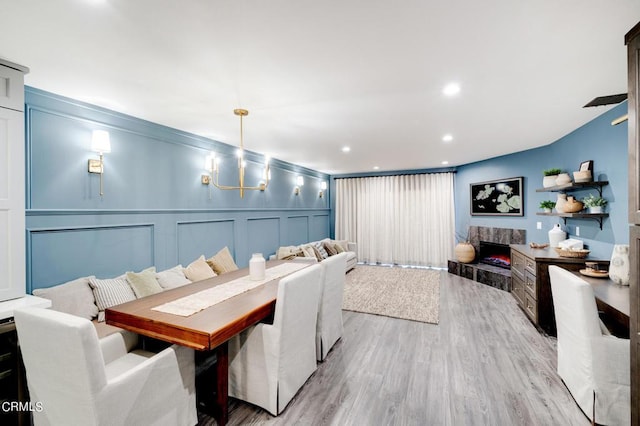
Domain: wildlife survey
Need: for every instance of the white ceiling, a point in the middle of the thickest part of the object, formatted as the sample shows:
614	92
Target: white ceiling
319	75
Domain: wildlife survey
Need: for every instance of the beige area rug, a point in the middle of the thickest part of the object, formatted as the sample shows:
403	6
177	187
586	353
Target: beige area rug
407	293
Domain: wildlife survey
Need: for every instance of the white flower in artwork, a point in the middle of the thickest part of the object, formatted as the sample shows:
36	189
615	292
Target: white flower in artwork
506	203
514	202
505	188
503	207
483	195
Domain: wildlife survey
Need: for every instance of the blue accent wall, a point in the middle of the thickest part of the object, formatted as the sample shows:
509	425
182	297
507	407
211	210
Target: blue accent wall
597	140
155	210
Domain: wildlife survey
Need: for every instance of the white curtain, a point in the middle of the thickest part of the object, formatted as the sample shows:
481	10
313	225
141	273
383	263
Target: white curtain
404	220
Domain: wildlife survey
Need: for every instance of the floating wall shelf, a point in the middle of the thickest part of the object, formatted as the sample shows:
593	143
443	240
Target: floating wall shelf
595	216
570	187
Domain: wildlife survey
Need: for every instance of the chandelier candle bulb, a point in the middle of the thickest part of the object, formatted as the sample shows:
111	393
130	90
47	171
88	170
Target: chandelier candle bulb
242	164
257	267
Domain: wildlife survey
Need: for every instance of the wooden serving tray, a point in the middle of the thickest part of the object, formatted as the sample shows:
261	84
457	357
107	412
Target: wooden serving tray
594	274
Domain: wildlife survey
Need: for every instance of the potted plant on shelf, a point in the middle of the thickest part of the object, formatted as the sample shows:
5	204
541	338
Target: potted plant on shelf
550	176
547	205
595	204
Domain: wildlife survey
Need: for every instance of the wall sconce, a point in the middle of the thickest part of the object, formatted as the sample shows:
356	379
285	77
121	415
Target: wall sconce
101	144
323	187
299	183
210	166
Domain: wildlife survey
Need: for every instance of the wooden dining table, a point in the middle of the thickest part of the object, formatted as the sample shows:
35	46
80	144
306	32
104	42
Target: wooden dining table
613	301
207	330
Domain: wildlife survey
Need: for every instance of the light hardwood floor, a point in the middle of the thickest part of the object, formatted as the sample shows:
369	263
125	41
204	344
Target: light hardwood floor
483	364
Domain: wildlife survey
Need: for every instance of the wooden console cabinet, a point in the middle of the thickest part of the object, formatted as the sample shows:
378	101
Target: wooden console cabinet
632	40
530	283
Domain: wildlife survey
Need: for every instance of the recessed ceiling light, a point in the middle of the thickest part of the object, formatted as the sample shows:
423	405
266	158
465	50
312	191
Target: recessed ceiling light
376	167
451	89
346	149
447	138
445	162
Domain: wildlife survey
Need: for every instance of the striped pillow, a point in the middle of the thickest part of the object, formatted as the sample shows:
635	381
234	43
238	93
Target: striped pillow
331	251
111	292
222	262
320	247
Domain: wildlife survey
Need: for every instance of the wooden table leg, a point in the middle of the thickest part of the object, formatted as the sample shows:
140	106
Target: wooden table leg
212	376
221	411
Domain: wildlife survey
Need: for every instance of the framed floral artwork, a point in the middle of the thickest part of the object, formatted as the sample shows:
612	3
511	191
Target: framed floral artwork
502	197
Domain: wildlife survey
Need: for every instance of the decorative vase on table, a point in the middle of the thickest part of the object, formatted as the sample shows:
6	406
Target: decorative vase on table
556	235
619	266
465	252
257	267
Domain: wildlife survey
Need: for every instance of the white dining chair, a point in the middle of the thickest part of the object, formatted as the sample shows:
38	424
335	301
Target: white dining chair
78	379
329	328
269	363
594	366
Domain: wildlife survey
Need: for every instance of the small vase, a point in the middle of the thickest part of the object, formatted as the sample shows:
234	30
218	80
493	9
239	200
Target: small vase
560	203
257	267
546	210
465	253
619	266
556	235
549	181
595	209
573	205
563	179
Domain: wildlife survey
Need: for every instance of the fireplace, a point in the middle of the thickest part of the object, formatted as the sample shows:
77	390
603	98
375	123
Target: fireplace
492	246
495	254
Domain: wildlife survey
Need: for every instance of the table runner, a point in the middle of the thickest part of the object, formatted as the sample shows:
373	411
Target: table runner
189	305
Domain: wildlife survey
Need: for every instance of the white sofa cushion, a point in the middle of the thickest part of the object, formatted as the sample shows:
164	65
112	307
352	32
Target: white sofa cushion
308	250
144	283
289	252
172	278
73	297
344	244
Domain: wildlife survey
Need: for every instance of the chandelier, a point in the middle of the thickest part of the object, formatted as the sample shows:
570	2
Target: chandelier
212	165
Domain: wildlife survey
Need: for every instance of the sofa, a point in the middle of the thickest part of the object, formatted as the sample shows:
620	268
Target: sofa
317	251
88	297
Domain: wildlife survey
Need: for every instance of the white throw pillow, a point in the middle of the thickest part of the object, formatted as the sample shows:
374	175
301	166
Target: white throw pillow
73	297
144	283
172	278
308	250
343	243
